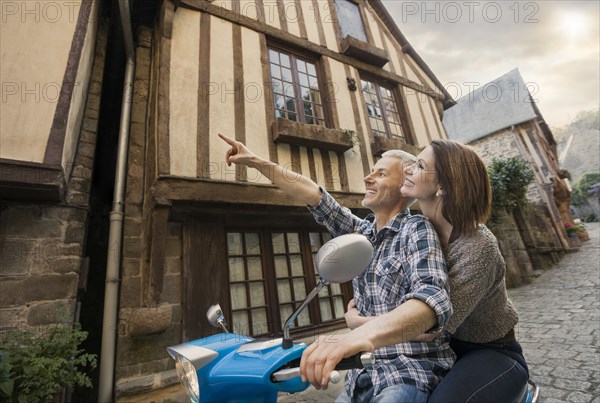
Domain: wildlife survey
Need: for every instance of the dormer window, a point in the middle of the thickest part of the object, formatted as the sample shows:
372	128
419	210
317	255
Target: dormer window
351	23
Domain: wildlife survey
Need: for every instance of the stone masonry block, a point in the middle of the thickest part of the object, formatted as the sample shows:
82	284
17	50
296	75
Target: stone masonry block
136	385
62	265
28	223
173	247
12	317
147	348
16	256
145	321
46	313
131	292
131	267
37	288
75	232
173	265
133	226
171	292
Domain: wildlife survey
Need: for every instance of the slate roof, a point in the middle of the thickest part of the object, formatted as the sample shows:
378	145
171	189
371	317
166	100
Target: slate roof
497	105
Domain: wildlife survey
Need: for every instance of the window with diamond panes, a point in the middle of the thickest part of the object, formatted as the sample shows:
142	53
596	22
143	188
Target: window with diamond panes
290	275
382	110
331	299
295	84
247	284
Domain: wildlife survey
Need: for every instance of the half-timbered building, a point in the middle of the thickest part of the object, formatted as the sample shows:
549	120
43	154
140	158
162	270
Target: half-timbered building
323	87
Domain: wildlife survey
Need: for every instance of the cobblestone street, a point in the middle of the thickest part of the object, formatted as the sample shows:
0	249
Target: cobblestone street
559	329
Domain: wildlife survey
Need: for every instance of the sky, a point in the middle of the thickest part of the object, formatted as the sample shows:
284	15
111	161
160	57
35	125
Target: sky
467	44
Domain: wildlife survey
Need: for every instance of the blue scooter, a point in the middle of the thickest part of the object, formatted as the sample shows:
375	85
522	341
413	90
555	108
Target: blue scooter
230	367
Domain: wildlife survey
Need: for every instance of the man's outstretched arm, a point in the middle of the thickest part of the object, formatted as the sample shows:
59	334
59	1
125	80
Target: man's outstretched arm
299	187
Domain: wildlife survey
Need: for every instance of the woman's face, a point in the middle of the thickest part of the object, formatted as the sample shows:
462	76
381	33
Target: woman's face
420	180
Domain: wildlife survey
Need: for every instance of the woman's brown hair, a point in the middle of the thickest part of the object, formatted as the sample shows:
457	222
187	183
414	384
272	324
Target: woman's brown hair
465	185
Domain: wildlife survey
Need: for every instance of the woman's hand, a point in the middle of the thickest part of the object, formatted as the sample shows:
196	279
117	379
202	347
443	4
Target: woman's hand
353	316
238	153
426	337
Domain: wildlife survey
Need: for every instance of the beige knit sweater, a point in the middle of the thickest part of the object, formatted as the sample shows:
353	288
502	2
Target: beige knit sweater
482	310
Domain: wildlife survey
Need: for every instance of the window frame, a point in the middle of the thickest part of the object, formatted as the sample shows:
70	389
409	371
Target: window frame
405	137
294	55
270	281
360	15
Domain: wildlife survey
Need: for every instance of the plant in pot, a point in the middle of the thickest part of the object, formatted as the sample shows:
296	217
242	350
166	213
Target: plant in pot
37	367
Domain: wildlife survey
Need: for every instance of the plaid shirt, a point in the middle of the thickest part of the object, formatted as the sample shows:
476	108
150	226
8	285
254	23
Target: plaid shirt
408	263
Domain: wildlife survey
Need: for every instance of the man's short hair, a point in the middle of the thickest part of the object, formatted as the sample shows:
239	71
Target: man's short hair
403	155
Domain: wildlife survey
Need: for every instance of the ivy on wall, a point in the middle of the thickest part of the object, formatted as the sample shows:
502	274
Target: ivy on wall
509	179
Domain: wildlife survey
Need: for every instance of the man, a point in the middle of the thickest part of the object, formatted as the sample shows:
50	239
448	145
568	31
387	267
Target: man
404	287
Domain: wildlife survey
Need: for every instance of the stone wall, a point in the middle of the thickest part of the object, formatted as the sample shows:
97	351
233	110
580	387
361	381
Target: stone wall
503	145
519	269
41	244
148	322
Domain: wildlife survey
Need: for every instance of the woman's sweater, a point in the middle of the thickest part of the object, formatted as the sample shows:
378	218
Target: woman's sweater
482	310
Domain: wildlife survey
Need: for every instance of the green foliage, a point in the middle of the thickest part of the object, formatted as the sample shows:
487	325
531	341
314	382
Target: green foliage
509	178
34	367
581	187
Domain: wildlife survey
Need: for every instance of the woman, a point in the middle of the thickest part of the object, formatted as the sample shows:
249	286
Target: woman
452	186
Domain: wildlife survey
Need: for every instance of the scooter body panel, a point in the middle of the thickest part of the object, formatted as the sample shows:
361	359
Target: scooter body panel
241	372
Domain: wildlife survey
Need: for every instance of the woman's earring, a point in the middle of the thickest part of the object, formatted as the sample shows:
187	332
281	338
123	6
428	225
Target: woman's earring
438	194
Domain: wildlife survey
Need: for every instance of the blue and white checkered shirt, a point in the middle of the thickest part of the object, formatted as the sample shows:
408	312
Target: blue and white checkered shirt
408	263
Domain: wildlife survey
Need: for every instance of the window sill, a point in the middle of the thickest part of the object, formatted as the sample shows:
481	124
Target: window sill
364	52
289	132
379	145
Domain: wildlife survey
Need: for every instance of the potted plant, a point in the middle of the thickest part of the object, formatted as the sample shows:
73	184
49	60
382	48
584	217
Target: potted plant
37	367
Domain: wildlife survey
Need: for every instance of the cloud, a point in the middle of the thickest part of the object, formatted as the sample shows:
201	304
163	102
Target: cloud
554	44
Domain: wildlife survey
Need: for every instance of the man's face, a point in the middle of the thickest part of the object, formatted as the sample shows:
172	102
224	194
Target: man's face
383	186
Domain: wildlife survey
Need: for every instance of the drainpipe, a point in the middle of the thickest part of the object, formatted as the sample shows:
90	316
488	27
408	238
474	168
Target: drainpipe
115	236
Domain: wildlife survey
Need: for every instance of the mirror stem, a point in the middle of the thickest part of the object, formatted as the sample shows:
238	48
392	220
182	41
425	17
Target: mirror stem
287	342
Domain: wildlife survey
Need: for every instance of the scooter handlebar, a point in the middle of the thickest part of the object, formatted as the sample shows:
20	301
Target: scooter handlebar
356	361
359	360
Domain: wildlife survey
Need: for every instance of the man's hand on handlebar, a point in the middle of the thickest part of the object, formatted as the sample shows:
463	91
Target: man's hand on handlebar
322	356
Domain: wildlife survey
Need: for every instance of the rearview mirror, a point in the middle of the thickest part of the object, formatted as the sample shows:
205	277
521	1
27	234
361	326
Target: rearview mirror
344	257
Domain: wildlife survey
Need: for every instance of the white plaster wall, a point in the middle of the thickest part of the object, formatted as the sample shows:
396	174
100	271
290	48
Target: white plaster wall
375	28
319	168
257	133
222	108
329	28
183	95
413	99
271	13
430	118
346	119
312	30
291	16
35	48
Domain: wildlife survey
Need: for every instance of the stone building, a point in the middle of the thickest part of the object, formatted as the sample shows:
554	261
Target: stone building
320	86
501	120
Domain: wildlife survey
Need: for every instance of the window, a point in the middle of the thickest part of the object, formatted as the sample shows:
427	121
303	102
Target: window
270	275
351	23
383	111
296	93
247	283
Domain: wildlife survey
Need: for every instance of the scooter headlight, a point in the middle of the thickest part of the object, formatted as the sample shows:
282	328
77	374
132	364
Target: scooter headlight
189	358
188	377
